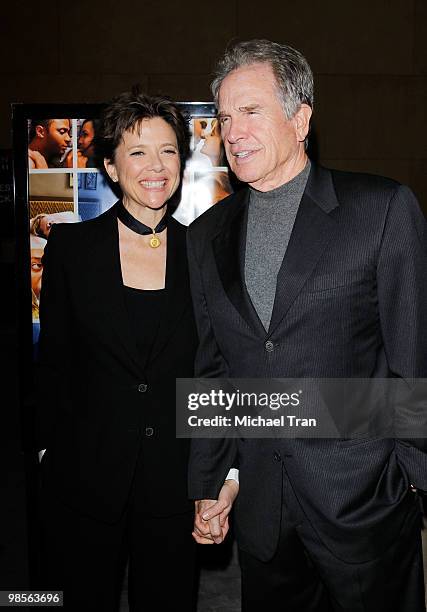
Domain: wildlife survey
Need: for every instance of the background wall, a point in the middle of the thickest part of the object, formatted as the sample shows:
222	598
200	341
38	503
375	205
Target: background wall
369	59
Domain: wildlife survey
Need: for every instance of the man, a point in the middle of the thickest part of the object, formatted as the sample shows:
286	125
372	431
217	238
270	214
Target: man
309	273
49	140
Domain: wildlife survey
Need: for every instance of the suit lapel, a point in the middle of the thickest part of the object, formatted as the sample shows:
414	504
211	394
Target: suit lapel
229	252
177	285
313	229
104	263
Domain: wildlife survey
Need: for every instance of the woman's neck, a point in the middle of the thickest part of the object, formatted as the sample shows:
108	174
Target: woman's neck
148	216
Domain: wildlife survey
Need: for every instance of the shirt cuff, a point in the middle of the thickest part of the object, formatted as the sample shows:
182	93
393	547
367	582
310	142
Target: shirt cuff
233	474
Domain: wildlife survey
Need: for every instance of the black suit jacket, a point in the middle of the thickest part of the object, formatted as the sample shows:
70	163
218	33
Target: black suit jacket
351	302
97	400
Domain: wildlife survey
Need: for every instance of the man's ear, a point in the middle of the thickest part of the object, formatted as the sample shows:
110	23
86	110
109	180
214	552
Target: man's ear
110	169
302	121
40	131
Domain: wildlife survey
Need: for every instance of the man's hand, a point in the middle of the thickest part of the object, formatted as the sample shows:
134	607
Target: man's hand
211	516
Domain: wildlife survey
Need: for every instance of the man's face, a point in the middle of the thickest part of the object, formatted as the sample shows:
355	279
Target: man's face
58	137
263	147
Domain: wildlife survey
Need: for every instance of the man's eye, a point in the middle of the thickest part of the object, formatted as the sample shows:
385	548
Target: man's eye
170	151
137	153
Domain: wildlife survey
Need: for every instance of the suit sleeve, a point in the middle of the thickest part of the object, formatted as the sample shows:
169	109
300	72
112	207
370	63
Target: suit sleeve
210	459
54	360
402	295
210	363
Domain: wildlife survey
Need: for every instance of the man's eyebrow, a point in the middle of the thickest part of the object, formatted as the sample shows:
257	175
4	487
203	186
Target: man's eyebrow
242	109
249	107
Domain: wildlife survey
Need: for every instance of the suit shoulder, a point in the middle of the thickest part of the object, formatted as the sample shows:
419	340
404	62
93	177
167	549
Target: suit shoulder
371	199
64	236
179	231
361	182
179	227
65	231
212	219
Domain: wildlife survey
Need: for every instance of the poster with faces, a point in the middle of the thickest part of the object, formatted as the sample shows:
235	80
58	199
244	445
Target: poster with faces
66	184
206	177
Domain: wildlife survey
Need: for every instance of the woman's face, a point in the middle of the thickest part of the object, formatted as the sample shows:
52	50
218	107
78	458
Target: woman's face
45	225
147	164
37	248
212	144
86	136
36	274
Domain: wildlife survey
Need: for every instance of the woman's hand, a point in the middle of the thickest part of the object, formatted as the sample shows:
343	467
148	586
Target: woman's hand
211	523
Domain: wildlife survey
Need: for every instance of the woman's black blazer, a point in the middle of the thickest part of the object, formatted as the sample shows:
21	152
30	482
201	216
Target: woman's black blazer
98	405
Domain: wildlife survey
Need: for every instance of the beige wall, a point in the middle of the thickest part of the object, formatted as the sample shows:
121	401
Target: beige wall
369	59
51	186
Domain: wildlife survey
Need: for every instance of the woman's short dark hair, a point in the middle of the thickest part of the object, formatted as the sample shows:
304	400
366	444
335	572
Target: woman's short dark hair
126	111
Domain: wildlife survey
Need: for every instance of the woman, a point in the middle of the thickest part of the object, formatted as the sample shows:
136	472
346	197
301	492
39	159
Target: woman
117	329
212	145
86	146
37	245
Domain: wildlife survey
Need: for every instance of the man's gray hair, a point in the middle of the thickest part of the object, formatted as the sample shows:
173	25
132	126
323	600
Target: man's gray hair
292	71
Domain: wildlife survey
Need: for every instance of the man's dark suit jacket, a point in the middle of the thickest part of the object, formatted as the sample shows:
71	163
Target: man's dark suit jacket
351	302
98	400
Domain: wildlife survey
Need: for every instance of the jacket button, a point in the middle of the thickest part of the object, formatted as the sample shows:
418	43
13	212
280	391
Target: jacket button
142	388
269	346
149	431
277	456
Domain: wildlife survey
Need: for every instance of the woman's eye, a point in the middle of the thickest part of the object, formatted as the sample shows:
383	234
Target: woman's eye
137	153
170	151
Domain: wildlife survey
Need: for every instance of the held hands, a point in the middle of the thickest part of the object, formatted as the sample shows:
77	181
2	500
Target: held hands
211	516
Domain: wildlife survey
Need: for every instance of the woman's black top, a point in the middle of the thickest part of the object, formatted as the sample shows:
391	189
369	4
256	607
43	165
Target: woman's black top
144	307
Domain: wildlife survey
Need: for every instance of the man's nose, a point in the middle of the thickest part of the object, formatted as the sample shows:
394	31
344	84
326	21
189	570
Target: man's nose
236	131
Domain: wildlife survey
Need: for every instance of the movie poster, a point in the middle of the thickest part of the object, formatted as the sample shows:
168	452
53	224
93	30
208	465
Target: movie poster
66	186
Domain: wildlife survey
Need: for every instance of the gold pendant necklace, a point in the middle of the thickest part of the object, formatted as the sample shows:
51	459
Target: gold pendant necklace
154	241
140	228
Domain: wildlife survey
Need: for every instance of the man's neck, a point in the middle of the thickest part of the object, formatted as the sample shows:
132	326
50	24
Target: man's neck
290	172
